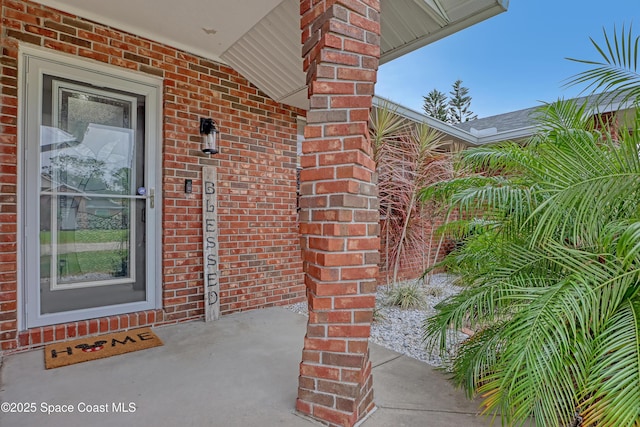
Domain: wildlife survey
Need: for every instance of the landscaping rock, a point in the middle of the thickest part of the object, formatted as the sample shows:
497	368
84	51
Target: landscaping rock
401	330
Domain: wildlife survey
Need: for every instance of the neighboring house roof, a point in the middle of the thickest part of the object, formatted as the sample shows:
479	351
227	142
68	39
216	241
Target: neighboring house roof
261	38
515	125
526	119
501	123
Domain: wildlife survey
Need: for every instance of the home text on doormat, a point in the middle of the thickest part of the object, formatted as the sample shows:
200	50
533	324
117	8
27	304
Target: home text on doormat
99	347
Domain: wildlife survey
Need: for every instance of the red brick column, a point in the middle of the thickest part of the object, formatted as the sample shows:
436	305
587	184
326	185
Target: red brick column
8	192
339	208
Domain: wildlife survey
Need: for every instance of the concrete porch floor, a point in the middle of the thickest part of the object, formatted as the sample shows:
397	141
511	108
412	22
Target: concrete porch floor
241	370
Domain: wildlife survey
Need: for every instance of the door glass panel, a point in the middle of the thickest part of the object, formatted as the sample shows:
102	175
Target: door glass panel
92	233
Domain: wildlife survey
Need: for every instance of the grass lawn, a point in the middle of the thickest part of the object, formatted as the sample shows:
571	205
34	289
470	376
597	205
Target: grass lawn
85	262
85	236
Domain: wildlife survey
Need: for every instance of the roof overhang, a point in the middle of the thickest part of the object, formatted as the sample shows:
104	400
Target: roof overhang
452	133
261	38
408	25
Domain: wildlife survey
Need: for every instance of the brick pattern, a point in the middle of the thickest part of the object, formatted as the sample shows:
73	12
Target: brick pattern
259	243
415	260
37	337
339	219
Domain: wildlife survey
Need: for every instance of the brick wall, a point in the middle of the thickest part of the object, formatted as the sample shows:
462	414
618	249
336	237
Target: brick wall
415	258
259	245
339	218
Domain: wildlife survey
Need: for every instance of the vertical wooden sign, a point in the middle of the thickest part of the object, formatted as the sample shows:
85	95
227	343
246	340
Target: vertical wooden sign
210	243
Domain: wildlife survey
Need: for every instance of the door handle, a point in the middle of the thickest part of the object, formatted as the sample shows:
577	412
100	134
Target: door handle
152	197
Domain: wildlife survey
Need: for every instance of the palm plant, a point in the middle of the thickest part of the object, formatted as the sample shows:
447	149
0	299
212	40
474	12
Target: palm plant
552	269
617	68
408	157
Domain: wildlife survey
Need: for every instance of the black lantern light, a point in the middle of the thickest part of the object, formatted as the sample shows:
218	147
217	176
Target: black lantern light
209	133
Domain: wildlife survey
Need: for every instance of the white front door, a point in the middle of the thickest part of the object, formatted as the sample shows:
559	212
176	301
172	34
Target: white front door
90	204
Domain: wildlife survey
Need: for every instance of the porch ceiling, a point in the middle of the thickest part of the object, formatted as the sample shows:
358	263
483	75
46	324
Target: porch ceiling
261	38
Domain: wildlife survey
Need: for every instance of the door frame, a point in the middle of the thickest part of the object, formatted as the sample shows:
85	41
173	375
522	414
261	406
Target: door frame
101	75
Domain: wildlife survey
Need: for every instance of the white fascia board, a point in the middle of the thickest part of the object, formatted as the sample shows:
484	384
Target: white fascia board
490	11
510	135
421	118
447	129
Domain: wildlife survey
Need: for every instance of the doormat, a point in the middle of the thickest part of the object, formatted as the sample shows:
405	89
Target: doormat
92	348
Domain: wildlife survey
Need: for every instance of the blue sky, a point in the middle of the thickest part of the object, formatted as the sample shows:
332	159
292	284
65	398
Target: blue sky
512	61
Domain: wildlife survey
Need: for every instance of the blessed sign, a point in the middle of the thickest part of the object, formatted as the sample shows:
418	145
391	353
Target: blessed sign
210	244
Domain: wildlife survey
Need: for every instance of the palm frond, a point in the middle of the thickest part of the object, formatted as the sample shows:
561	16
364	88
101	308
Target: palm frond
551	262
617	69
612	394
562	115
386	126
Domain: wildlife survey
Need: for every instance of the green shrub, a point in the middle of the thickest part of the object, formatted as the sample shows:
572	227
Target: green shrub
406	296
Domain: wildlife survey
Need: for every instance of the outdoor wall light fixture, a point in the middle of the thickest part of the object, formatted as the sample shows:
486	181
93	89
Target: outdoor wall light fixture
209	133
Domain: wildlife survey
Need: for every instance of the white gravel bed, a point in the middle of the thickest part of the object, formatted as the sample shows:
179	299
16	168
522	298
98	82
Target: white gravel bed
401	330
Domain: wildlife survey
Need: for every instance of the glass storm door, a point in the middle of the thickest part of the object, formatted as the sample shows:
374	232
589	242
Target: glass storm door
89	179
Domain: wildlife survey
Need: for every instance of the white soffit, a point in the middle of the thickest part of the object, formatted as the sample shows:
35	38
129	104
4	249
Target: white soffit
202	27
408	25
270	54
261	38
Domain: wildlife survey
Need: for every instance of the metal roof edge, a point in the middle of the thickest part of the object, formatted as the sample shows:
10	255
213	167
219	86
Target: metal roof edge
490	11
379	101
509	135
513	134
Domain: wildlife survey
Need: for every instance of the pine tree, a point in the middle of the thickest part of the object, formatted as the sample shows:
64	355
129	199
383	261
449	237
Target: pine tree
435	105
459	104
